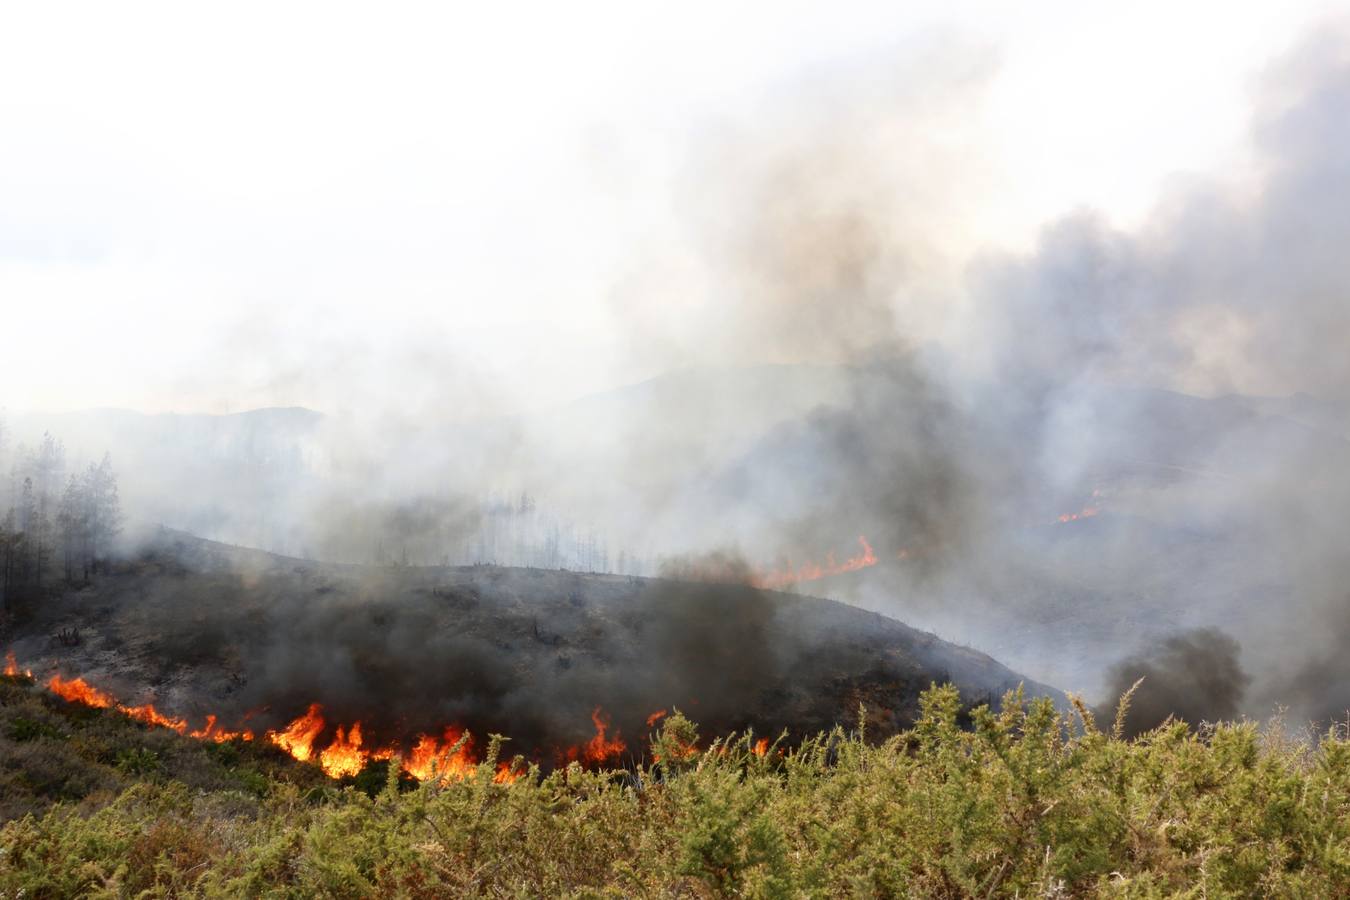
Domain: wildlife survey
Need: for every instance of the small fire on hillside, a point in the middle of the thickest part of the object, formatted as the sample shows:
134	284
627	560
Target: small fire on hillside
1090	509
814	571
77	690
12	667
789	574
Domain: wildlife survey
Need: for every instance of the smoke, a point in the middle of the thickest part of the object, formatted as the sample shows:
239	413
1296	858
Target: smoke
828	363
524	652
1138	372
1231	286
1195	677
819	225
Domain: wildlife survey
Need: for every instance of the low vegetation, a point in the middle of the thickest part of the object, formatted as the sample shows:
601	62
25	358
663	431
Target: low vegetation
1025	801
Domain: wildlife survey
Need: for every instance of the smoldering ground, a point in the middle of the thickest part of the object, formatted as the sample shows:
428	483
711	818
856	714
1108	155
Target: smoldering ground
523	652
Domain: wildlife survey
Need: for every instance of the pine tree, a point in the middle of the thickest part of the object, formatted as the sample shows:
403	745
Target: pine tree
72	523
103	510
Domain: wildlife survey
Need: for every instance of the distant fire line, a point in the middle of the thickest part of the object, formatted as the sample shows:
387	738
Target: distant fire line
816	571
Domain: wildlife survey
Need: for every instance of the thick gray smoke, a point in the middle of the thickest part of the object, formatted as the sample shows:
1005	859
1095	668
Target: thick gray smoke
1097	374
1226	289
1118	437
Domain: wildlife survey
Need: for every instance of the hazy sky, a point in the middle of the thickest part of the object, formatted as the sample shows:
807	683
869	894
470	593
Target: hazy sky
333	206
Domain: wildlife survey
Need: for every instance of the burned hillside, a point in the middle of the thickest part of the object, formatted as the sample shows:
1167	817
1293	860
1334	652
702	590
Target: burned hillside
545	657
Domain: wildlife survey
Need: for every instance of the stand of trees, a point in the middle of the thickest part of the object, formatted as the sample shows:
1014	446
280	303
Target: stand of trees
55	521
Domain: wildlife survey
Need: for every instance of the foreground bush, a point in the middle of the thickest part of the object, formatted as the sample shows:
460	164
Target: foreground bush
1027	802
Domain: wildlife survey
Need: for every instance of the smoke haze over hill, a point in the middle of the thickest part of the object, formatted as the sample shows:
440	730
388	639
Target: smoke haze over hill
839	363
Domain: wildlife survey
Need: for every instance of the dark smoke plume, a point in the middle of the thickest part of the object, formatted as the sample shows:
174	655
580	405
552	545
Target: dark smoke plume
529	653
1194	676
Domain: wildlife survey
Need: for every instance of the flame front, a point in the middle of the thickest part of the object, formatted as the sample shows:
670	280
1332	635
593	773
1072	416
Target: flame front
450	757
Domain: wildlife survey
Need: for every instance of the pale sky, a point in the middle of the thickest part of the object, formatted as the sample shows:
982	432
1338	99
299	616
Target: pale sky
320	204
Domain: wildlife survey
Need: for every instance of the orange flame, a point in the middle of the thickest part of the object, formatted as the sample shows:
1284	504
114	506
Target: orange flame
209	732
1086	512
344	756
151	716
298	737
598	749
12	666
77	690
655	717
430	759
761	747
815	571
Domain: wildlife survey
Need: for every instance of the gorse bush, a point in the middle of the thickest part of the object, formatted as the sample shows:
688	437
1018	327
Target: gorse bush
1026	802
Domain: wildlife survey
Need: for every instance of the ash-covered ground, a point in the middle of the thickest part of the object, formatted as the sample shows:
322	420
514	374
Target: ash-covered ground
197	627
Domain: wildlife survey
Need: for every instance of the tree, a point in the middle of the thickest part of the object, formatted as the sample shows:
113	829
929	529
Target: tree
27	525
103	512
47	466
9	536
72	521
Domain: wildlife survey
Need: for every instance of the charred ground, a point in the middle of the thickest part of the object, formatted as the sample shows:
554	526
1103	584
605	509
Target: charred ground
197	627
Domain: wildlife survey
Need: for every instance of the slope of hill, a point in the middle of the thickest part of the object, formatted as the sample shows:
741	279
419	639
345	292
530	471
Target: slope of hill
200	628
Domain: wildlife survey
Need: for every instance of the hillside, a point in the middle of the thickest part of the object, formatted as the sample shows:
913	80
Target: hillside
199	628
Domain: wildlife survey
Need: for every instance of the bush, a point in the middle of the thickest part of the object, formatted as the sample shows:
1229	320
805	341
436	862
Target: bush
1026	802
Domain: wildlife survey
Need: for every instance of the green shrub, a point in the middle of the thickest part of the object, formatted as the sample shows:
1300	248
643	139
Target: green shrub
137	761
25	729
1025	802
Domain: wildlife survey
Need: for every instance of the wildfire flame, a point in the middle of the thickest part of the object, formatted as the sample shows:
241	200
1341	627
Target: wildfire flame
12	666
297	739
1090	509
151	716
209	732
598	749
452	756
77	690
1086	512
816	571
344	756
